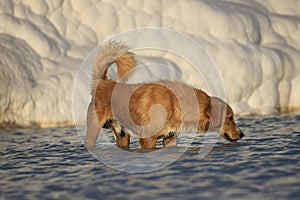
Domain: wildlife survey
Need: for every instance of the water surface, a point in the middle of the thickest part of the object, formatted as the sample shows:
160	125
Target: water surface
53	164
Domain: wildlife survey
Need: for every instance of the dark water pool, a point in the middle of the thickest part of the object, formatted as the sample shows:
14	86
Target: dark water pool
53	164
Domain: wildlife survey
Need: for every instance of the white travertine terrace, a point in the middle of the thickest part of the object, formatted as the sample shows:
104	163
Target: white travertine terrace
255	45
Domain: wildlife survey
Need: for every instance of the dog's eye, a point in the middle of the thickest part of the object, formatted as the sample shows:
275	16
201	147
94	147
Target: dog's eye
231	118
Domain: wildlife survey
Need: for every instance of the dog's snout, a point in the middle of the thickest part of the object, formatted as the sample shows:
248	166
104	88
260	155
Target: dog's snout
241	134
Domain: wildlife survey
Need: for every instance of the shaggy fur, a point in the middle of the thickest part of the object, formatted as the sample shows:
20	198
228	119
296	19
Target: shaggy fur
152	110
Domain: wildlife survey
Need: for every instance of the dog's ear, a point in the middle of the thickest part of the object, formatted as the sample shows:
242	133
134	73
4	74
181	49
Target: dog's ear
216	112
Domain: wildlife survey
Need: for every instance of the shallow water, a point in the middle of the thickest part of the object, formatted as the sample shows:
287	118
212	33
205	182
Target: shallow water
53	164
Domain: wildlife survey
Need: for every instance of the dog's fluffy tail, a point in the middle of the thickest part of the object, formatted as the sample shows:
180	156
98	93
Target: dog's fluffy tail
108	54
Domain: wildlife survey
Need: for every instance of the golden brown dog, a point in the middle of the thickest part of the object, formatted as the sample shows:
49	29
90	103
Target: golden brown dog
152	110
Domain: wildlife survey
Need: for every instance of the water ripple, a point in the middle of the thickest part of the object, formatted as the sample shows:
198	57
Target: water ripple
53	164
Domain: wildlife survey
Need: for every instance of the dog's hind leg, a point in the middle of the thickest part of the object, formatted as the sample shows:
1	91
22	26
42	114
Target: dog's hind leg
93	127
122	138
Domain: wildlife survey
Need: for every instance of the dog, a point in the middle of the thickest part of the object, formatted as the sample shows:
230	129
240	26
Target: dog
153	110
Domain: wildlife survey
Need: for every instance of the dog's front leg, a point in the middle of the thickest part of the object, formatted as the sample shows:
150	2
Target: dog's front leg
93	127
148	143
170	141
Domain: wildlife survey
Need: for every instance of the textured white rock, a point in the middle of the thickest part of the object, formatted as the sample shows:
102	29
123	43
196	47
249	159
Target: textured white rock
255	45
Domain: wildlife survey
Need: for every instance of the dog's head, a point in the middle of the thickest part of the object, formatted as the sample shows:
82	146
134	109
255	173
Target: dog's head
222	120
